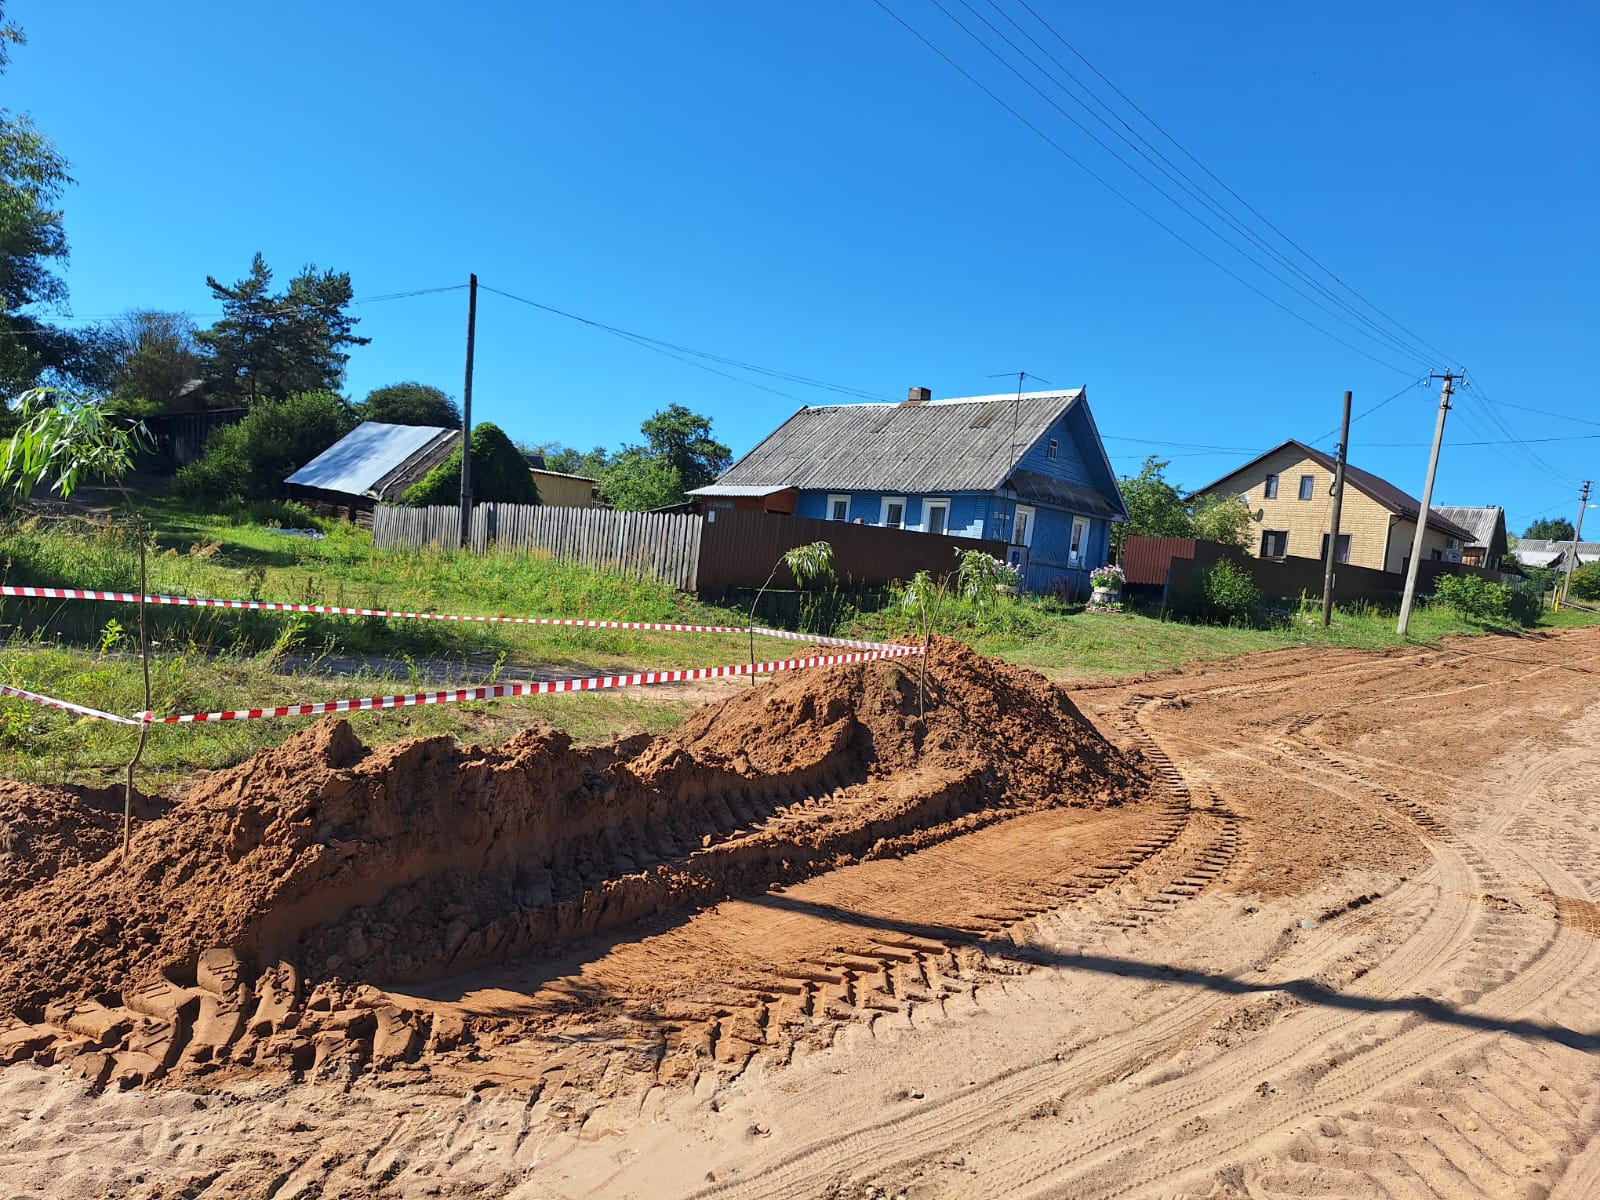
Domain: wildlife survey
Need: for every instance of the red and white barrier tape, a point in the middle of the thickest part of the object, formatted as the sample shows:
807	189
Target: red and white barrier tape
23	694
504	690
55	593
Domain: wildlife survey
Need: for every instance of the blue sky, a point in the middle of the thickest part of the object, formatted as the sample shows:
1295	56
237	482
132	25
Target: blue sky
812	189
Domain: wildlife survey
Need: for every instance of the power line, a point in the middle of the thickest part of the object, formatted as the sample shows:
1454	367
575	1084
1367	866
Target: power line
1375	331
674	350
1128	200
1250	207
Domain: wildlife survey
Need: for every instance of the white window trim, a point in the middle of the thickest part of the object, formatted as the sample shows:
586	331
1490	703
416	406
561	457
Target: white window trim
833	499
935	502
883	511
1075	557
1027	535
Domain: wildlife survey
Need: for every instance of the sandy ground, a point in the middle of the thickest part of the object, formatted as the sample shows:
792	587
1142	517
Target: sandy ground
1349	950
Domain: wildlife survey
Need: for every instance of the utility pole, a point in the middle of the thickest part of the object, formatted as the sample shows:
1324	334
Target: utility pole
1427	496
466	414
1577	534
1338	506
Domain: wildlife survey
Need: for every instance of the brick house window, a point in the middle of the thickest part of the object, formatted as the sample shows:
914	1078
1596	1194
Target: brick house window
1344	549
1307	483
1274	543
1272	487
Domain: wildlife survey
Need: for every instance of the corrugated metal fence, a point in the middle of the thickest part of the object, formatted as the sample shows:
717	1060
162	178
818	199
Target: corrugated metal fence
663	546
738	550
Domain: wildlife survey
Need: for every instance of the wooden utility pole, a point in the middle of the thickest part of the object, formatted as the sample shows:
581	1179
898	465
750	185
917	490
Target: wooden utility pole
1338	505
1577	534
1422	512
466	414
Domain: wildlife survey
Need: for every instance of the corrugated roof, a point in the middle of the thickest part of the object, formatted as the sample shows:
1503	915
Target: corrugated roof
1543	552
1381	490
957	445
359	461
1480	522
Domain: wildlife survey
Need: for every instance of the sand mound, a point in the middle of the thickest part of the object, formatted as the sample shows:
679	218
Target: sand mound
46	830
322	863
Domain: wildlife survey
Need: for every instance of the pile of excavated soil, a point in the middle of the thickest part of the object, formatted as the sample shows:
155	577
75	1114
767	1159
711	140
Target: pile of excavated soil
46	830
322	864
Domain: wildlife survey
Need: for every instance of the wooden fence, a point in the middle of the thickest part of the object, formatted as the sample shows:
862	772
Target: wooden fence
663	546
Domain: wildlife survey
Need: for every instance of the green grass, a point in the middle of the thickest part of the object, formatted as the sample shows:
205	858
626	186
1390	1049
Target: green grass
206	660
1069	644
48	745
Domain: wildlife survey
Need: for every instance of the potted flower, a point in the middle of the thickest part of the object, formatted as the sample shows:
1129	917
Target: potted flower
1107	584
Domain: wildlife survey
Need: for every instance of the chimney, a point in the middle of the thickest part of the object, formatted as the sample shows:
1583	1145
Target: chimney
917	396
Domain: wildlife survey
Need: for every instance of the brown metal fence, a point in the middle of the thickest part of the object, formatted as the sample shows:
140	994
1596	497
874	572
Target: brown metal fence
739	549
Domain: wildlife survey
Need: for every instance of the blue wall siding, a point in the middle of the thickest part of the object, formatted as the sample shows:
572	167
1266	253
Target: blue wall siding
1069	462
969	514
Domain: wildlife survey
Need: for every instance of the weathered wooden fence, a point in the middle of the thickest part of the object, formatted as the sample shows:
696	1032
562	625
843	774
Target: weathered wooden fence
663	546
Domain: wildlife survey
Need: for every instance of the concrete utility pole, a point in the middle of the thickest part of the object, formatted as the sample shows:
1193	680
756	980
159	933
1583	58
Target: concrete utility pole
1427	496
1338	506
1577	534
466	414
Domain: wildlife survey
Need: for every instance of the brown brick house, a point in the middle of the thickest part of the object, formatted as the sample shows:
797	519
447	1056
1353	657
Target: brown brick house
1289	493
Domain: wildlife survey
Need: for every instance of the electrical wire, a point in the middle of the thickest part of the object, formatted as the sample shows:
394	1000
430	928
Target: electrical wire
1442	356
1128	200
1377	333
677	351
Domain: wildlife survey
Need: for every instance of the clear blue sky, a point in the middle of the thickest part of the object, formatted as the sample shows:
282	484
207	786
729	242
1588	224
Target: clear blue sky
810	188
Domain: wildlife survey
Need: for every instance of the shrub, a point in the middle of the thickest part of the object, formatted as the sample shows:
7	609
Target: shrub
1225	594
250	460
1586	582
499	474
1476	598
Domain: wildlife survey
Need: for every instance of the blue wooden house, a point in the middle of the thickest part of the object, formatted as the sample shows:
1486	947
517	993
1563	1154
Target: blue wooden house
1027	470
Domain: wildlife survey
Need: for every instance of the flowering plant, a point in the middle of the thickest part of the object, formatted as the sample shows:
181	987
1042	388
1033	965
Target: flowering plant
1109	577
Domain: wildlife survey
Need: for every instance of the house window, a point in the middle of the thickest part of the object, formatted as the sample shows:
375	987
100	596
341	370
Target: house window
892	514
1274	543
1437	555
1272	487
1022	527
1307	482
1080	539
1344	549
1052	447
838	508
935	516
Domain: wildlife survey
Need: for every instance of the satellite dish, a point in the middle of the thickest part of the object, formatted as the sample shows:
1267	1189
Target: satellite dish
1260	514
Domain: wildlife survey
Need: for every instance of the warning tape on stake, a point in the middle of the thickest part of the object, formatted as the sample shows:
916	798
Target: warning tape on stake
501	691
497	691
56	593
37	698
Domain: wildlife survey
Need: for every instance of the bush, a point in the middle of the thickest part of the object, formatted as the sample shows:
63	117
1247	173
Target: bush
1586	582
285	514
499	474
1476	599
250	460
1226	594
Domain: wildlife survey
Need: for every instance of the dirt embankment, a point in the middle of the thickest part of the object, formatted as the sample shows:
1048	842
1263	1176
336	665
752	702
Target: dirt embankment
274	891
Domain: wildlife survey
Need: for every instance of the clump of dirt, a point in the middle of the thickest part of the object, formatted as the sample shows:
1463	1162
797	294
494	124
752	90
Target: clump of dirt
46	830
323	862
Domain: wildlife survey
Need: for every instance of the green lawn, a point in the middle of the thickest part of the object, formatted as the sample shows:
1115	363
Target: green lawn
206	660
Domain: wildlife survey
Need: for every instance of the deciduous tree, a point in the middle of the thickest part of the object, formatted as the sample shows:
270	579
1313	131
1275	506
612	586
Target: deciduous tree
410	403
1555	529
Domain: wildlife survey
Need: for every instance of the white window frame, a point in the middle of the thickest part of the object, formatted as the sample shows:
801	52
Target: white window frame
835	498
1079	541
883	511
1052	448
928	505
1023	517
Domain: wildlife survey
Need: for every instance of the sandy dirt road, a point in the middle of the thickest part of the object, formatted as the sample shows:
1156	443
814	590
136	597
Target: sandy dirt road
1349	948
